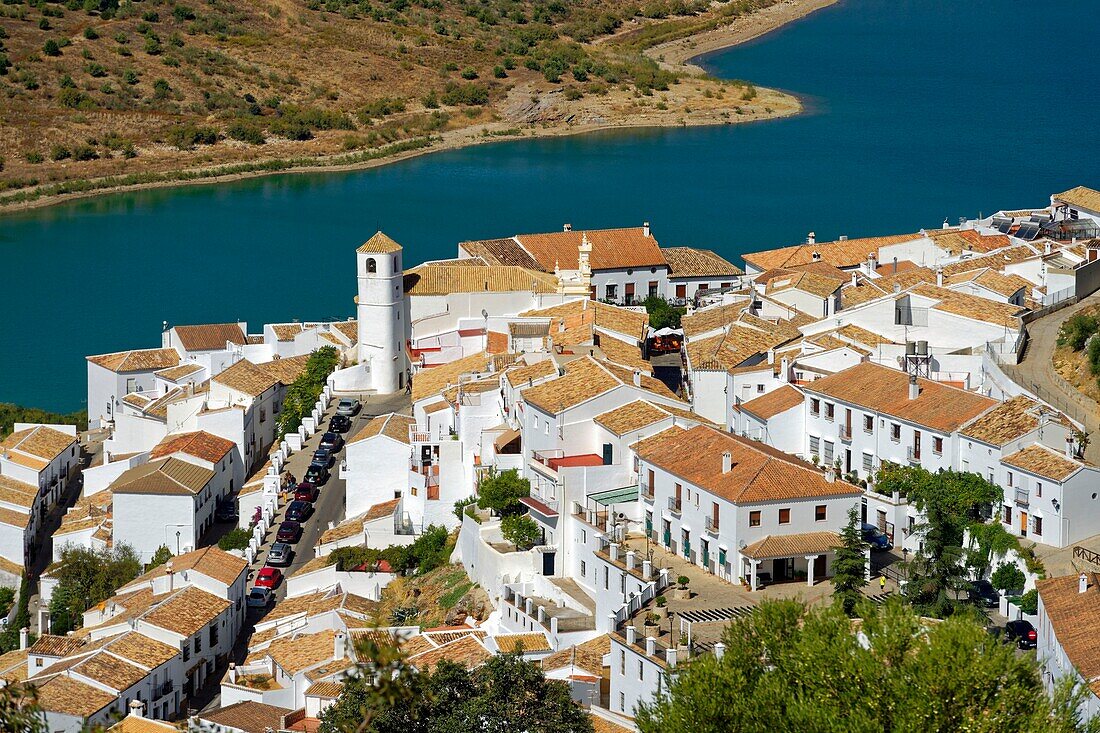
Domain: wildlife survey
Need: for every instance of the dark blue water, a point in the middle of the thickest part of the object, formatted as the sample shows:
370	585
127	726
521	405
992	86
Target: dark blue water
918	111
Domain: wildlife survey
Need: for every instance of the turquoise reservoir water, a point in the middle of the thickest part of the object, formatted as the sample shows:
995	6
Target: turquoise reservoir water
917	111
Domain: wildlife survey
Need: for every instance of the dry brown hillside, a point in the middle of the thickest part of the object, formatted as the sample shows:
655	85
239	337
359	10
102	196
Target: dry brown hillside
91	88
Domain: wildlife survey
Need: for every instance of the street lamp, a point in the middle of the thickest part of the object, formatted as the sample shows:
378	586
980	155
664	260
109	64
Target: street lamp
177	542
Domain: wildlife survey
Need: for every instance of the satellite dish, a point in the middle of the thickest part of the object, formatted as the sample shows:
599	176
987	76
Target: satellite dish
742	544
621	516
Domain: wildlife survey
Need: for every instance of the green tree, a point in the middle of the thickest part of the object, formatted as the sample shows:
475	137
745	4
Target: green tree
161	556
502	490
303	394
521	531
1008	577
662	314
850	565
19	709
85	577
11	414
235	539
790	668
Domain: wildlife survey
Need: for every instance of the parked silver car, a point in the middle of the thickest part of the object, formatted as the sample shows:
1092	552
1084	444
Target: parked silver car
280	554
347	407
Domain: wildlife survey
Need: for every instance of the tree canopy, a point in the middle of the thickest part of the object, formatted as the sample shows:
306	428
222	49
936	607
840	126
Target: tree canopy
790	668
850	565
303	394
662	314
502	490
86	577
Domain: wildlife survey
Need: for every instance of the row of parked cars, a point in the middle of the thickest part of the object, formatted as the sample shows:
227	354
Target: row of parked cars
306	493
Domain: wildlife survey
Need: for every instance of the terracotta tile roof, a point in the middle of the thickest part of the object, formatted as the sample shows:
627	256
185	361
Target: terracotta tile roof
692	262
60	693
584	315
732	349
1009	420
518	375
1042	461
327	690
601	724
170	476
13	666
759	473
15	519
210	336
312	604
893	268
841	253
158	408
433	380
584	379
140	649
137	360
1006	285
467	651
997	260
774	402
505	252
299	652
535	642
480	386
611	249
379	244
174	374
906	280
288	368
17	492
955	241
1073	617
50	645
246	377
885	390
110	671
248	716
971	306
624	354
134	724
631	416
354	525
392	425
1080	196
862	336
286	331
200	444
820	286
710	319
187	611
213	562
444	279
40	441
445	634
349	328
792	545
587	656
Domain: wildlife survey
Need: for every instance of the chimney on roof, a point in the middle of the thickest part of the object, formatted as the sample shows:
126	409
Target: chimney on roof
946	223
1046	247
895	270
897	287
1082	583
637	378
811	238
854	281
645	229
872	262
137	708
842	238
171	578
338	645
830	474
914	388
785	370
232	672
24	634
771	356
1069	446
727	462
567	228
939	276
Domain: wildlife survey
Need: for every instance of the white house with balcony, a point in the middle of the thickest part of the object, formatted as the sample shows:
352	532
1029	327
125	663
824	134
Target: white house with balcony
113	376
377	462
215	346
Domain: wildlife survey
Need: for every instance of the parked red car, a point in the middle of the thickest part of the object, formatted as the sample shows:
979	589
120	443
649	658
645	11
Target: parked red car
306	492
269	577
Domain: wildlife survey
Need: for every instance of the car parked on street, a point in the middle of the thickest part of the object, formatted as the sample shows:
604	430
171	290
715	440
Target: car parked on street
347	407
269	577
1022	633
226	511
982	593
299	511
875	538
289	532
280	554
332	441
316	475
339	423
260	597
323	457
306	492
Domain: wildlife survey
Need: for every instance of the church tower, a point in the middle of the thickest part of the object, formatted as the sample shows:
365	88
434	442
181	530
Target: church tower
380	312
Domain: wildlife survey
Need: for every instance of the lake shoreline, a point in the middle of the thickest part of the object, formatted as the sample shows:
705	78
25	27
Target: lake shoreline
679	55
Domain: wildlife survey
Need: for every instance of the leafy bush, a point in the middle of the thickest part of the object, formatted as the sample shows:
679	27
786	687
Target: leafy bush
1007	577
471	94
379	108
50	48
521	531
1029	602
501	491
303	394
187	136
1077	329
235	539
245	132
90	33
86	577
60	152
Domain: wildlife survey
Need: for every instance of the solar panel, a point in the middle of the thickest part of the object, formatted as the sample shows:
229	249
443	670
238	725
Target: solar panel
1002	225
1040	218
1027	231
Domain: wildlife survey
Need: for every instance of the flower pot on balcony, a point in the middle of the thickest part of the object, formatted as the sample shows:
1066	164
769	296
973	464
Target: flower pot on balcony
651	631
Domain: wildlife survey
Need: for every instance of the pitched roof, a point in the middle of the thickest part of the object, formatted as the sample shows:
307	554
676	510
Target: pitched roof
248	716
435	279
1043	461
521	373
137	360
141	649
17	492
500	252
200	444
210	336
60	693
971	306
1080	196
213	562
585	315
1006	285
354	525
187	611
1009	420
135	724
587	656
955	241
110	671
841	253
872	386
791	545
288	368
379	244
433	380
51	645
732	349
759	472
821	286
246	377
391	425
533	642
298	652
611	249
170	476
1073	616
40	441
640	413
467	651
174	374
584	379
693	262
996	260
712	318
771	404
327	690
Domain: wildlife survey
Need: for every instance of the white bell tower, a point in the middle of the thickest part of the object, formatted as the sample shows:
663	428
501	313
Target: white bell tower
380	315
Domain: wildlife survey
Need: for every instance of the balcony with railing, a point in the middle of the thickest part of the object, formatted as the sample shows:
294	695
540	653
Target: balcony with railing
550	462
674	504
912	453
711	525
844	432
645	491
1023	497
543	499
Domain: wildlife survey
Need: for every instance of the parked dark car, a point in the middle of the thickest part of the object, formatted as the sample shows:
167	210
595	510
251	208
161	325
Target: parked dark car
289	532
280	554
299	511
226	511
983	594
332	441
306	492
340	423
876	539
323	457
316	475
1022	633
